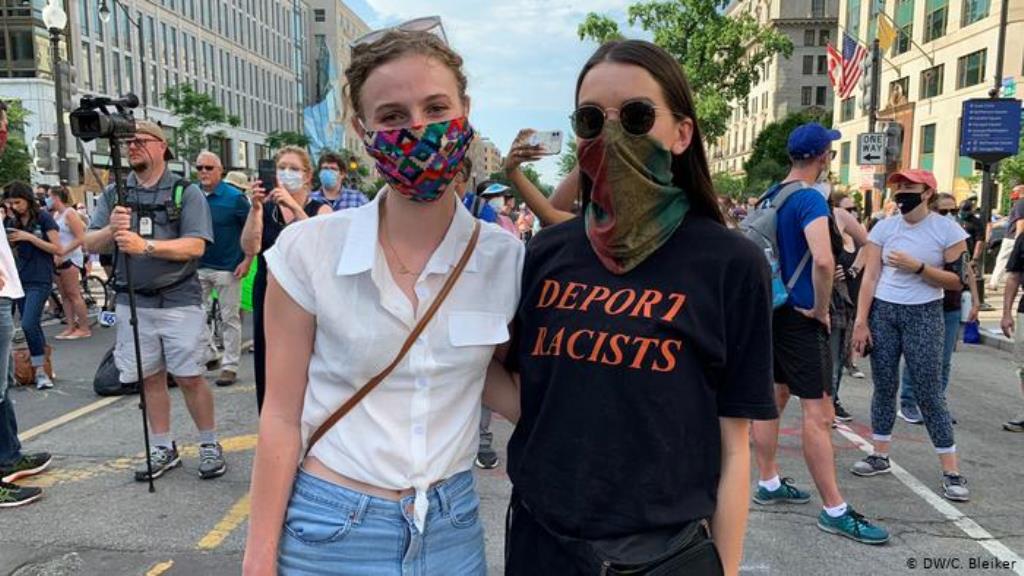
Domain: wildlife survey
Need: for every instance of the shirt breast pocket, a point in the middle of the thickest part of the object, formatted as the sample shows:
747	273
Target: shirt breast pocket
468	329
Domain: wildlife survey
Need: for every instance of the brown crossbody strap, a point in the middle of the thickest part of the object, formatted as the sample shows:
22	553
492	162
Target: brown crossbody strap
416	331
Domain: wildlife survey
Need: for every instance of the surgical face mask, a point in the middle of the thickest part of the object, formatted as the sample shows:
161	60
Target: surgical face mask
49	203
329	178
290	180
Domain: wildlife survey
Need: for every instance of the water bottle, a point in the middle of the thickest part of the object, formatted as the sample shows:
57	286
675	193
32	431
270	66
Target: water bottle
966	303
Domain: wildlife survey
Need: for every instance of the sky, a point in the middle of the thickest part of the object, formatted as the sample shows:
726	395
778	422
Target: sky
522	58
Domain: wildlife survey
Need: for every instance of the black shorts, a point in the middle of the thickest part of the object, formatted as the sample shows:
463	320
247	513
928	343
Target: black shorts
801	353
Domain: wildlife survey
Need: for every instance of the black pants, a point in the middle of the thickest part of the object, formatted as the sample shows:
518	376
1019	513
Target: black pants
259	356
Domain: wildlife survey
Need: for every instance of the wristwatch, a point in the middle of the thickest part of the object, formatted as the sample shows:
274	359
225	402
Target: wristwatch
150	248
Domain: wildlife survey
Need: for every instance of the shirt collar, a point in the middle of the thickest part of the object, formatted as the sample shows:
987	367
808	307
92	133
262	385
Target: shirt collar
360	248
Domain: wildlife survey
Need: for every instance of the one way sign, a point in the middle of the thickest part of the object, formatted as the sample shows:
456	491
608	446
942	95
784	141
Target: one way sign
871	149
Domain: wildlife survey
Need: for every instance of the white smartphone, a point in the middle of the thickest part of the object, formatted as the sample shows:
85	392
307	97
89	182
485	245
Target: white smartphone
550	141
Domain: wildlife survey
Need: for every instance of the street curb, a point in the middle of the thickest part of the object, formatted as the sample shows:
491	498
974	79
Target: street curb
995	340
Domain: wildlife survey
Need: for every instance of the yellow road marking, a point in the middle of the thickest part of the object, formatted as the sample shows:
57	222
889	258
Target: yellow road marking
233	519
62	420
56	476
160	568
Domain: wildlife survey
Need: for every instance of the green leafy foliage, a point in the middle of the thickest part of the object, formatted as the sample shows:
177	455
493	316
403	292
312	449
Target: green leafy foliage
279	139
198	115
531	174
721	55
567	161
16	160
769	162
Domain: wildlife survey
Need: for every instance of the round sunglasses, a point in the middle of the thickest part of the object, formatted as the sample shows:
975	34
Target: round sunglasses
636	116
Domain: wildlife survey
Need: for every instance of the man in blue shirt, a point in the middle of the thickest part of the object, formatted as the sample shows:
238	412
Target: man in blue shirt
800	340
331	171
224	264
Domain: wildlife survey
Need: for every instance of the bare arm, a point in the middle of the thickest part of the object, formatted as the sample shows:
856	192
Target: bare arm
290	332
869	281
501	391
179	249
539	204
729	523
78	229
937	277
1009	295
849	224
252	232
568	191
51	245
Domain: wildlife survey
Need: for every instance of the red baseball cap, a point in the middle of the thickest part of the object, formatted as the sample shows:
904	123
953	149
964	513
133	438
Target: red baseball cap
915	176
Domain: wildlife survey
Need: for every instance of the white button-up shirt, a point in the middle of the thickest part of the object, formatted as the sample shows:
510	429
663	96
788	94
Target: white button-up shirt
421	424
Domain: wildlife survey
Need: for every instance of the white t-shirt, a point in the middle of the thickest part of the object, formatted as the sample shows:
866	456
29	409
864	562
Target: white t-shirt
12	282
926	241
421	425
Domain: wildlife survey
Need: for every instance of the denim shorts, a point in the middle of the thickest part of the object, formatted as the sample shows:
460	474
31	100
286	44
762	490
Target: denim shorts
330	529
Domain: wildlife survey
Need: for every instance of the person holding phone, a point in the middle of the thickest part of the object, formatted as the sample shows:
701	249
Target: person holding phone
641	344
35	237
273	209
909	261
389	487
525	148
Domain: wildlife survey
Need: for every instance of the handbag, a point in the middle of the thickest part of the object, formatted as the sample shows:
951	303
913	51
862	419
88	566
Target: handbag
972	333
409	341
663	552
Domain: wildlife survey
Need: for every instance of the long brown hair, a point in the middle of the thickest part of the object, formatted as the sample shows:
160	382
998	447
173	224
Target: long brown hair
690	169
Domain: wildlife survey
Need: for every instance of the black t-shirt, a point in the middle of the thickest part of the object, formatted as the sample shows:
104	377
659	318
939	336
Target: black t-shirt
1016	265
35	266
273	224
1016	213
624	377
975	230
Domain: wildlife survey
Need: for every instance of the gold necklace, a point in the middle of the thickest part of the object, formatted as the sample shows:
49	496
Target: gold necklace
403	270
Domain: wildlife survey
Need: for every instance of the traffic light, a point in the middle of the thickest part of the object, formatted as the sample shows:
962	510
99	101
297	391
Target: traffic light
866	84
893	142
44	153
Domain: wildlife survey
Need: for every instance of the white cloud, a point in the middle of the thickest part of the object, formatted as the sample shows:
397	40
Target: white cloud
521	56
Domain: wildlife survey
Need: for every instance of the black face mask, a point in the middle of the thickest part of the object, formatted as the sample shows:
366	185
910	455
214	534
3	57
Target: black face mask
907	201
943	212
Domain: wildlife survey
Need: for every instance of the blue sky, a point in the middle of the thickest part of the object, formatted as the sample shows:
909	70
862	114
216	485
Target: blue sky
522	57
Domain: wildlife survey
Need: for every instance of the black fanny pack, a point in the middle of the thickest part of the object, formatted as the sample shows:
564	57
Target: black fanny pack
665	552
154	292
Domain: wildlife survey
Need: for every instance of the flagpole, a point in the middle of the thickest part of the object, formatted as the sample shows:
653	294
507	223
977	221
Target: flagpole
899	32
876	90
891	64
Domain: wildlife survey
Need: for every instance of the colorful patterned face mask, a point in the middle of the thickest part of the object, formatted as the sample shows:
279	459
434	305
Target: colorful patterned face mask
420	162
634	207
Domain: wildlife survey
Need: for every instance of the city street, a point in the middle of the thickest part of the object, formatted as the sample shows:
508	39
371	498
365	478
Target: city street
95	519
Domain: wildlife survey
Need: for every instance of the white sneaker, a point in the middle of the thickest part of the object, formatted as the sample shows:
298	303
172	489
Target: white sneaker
43	381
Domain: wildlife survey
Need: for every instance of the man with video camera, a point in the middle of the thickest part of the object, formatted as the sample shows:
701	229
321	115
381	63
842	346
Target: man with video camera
164	226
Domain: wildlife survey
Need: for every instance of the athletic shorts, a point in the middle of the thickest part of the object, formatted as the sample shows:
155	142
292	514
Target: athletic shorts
801	354
171	339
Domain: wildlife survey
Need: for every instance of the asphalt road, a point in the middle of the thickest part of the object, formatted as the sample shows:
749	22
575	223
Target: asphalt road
95	519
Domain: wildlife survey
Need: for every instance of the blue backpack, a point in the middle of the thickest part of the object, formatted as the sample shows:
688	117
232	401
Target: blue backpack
760	226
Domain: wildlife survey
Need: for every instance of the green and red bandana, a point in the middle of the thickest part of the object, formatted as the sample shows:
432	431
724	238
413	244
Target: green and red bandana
634	206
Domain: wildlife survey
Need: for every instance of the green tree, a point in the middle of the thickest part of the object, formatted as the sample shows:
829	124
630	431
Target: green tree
769	161
567	161
1011	171
279	139
198	114
728	185
531	174
721	55
16	161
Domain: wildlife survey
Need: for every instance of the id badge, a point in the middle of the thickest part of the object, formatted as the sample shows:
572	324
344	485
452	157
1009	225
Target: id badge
146	227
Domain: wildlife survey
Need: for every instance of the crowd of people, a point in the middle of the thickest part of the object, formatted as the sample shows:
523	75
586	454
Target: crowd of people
640	344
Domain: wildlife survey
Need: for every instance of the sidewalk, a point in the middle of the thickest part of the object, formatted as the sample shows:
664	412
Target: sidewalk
991	332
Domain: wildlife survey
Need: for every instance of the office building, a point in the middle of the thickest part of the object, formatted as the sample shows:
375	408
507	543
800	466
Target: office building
250	56
785	85
945	53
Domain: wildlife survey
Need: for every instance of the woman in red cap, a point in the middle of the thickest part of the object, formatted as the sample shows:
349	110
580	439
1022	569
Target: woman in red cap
909	262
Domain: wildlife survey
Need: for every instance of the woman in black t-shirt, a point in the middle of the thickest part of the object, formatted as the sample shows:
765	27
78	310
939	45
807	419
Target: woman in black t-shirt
35	238
270	212
642	344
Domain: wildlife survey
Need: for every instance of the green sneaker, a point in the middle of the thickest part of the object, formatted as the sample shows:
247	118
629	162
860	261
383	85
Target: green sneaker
853	526
12	495
786	494
29	464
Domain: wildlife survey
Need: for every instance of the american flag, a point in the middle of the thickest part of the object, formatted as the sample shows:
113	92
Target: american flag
853	55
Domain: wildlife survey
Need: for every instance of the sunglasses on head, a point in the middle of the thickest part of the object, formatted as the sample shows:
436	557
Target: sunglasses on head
430	24
636	116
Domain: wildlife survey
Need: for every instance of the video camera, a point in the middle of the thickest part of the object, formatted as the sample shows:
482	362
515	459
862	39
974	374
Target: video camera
93	119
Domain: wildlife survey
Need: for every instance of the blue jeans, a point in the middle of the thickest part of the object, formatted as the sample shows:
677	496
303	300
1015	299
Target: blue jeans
952	334
329	529
10	447
31	309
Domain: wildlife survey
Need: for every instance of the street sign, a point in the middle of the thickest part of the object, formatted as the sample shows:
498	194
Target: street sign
991	129
871	149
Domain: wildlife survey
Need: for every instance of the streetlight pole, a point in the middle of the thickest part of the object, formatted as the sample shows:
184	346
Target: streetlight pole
987	182
105	16
56	20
